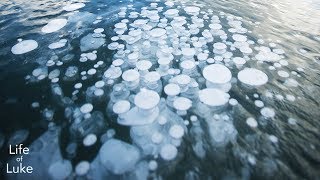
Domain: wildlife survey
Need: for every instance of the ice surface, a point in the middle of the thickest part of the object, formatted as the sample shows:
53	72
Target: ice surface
90	43
157	47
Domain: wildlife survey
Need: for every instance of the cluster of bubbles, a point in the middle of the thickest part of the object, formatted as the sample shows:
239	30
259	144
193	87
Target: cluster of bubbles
172	70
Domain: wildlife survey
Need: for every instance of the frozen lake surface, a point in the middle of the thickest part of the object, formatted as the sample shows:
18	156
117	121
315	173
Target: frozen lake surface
161	89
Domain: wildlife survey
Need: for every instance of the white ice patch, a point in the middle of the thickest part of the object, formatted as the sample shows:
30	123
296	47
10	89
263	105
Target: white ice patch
89	140
82	168
239	61
54	25
233	102
267	112
168	152
57	45
252	122
283	74
176	131
217	73
252	77
121	107
146	99
157	32
86	108
172	89
265	54
24	47
273	138
153	165
239	38
182	103
73	7
292	121
290	97
213	97
258	103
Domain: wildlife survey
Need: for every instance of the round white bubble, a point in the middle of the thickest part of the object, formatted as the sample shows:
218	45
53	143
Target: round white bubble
176	131
168	152
217	73
24	47
54	25
253	77
86	108
213	97
146	99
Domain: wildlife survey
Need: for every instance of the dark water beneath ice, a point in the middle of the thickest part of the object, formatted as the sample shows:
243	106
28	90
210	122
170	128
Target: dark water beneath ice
293	25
